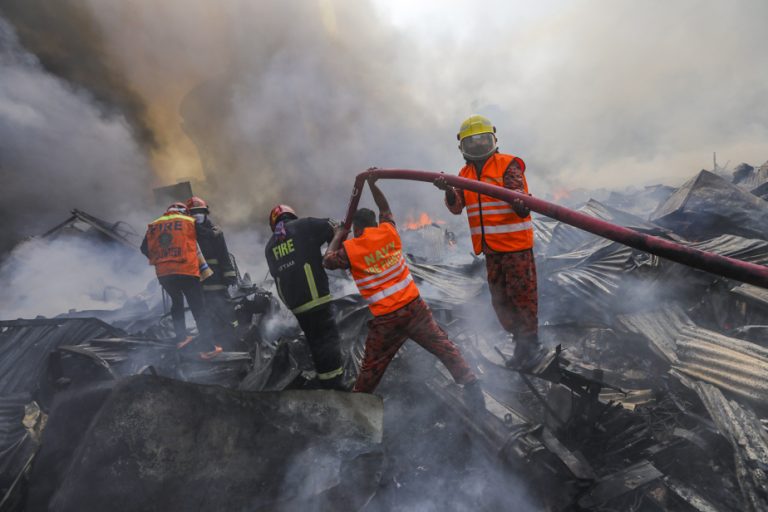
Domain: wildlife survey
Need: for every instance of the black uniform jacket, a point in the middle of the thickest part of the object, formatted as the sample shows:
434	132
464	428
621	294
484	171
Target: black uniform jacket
296	263
214	248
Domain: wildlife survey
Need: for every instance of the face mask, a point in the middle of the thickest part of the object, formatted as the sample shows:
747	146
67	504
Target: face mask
199	218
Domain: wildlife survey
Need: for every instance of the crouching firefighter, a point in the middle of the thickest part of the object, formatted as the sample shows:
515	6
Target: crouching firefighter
381	274
171	246
211	240
296	263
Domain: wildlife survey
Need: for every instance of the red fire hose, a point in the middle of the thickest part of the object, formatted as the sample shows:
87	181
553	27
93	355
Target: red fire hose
714	263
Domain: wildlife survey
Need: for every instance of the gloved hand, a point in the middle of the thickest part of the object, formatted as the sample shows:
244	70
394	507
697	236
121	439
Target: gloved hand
441	183
520	209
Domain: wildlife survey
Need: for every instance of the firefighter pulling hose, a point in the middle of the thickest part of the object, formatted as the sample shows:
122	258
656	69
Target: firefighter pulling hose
724	266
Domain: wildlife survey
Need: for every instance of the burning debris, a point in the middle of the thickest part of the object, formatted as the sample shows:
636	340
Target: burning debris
656	401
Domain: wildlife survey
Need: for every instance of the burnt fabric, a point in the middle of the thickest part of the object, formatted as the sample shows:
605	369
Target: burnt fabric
512	282
387	333
178	287
323	339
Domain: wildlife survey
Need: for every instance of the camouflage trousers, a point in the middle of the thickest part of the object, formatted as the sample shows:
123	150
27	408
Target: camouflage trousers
387	333
514	293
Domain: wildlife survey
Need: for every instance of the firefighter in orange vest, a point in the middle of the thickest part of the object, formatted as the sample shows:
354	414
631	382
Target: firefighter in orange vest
171	246
378	266
503	232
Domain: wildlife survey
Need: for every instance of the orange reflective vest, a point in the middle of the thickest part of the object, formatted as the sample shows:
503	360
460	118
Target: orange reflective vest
490	219
379	269
172	245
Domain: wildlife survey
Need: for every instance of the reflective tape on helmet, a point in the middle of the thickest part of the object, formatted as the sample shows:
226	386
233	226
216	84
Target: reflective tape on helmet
504	228
390	291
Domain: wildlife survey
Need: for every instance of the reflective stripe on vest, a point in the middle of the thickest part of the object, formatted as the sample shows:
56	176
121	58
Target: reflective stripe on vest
172	245
393	273
508	228
493	223
315	300
380	270
388	292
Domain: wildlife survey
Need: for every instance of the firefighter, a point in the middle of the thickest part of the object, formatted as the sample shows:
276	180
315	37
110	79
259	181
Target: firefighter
503	232
171	246
381	274
295	262
211	240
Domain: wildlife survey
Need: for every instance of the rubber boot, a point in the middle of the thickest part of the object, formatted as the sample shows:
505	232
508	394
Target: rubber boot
473	396
528	353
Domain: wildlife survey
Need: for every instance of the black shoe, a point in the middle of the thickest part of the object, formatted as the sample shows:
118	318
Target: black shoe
473	396
527	356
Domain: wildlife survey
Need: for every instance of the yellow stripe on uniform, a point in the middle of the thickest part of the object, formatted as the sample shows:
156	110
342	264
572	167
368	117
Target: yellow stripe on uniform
329	375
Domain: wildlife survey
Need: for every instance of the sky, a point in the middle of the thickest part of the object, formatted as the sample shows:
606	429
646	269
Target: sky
268	102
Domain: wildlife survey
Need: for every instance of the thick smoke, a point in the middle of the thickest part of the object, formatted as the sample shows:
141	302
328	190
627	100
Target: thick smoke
49	278
596	94
261	101
57	151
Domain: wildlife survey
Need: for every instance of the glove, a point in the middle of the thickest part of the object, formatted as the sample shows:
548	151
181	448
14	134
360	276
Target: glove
520	209
441	183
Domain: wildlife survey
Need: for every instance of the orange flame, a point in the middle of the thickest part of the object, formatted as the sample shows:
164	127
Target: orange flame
560	194
422	220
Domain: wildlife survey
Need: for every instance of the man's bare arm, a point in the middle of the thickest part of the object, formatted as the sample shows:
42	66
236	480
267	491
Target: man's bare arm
333	259
378	197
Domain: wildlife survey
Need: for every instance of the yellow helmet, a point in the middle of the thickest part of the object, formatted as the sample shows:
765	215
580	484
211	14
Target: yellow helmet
474	125
477	137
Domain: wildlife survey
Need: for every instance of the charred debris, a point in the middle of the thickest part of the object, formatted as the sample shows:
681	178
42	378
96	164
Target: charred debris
656	397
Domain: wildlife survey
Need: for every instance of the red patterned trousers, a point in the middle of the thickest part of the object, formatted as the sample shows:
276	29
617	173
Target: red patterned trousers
387	333
514	293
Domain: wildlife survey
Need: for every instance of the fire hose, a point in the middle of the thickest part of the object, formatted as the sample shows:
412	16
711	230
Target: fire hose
724	266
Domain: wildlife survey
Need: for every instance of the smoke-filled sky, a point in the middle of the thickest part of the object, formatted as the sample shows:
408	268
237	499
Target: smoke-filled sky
284	101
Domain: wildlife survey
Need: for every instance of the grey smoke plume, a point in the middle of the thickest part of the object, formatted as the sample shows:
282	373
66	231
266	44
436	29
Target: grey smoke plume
57	151
263	102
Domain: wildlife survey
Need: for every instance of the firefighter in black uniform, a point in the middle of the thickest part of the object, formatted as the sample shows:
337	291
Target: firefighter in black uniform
296	263
210	237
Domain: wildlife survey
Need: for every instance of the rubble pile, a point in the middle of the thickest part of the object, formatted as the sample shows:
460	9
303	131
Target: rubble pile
654	395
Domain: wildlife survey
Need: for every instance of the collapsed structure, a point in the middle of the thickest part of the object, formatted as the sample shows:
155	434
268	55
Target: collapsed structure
657	402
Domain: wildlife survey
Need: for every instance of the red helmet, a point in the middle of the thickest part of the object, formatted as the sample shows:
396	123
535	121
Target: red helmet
196	203
177	208
278	211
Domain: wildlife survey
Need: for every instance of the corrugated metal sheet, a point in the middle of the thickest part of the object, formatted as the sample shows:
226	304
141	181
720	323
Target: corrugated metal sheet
753	250
752	292
743	429
735	365
25	345
566	238
455	287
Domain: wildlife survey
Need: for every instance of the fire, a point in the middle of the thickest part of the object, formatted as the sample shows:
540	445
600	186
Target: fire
423	219
560	194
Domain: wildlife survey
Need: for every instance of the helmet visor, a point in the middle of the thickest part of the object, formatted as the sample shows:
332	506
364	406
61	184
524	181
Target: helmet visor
478	146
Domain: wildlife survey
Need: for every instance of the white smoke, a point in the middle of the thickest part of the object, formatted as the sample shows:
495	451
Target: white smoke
57	151
47	278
